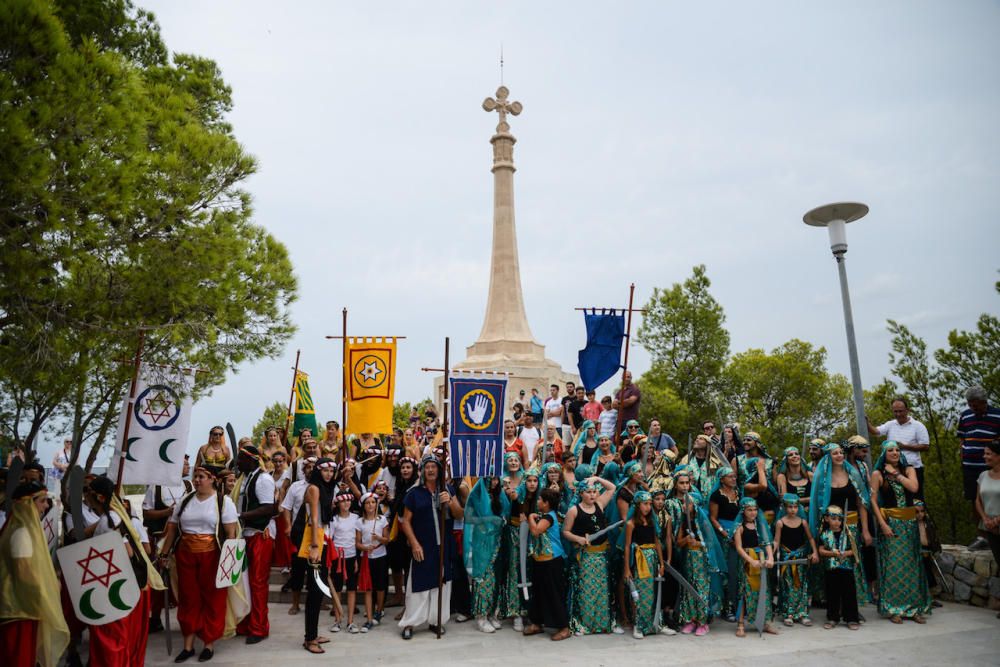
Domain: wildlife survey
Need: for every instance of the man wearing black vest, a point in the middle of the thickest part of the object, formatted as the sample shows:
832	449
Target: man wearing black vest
256	506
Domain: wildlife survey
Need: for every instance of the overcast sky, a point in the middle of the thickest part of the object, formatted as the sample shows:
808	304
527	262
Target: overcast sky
655	136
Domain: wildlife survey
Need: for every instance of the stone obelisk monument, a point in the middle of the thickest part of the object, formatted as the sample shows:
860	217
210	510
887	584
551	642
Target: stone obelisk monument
505	343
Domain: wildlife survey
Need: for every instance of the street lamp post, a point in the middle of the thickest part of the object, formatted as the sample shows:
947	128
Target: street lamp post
835	218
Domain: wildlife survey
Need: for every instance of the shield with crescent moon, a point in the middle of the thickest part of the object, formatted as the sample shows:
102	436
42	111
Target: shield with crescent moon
232	563
99	578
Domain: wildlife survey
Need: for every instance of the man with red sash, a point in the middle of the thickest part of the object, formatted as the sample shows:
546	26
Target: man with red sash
256	506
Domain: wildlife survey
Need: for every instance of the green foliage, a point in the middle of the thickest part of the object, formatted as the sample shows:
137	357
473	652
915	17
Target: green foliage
274	415
401	412
122	209
660	401
683	332
787	393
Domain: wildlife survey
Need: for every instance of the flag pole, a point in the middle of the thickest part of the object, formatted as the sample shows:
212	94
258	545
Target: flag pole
442	484
628	340
291	400
343	393
131	405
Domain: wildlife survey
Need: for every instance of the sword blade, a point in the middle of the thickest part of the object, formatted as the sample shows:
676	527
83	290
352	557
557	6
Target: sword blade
323	588
523	545
605	530
166	613
762	601
679	578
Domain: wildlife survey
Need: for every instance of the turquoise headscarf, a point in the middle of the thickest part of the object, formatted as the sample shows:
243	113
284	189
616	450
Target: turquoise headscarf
763	531
719	474
481	537
638	431
642	496
819	499
522	488
887	445
783	466
611	472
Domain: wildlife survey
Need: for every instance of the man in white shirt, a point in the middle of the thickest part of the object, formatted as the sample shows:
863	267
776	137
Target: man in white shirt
911	435
256	507
554	408
527	439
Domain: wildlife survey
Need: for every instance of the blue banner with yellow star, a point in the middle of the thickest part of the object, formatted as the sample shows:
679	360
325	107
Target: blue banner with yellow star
476	437
370	364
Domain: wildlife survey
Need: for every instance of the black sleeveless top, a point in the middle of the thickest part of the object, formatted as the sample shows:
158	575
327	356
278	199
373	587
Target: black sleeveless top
625	494
587	454
801	491
793	538
749	538
643	534
589	523
728	510
844	497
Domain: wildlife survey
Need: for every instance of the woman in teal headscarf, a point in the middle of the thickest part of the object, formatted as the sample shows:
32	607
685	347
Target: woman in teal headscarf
794	477
836	482
723	511
590	589
903	590
522	501
704	563
552	477
486	511
585	446
643	562
752	542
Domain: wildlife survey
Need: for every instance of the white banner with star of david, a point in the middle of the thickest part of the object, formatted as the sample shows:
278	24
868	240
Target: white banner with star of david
158	430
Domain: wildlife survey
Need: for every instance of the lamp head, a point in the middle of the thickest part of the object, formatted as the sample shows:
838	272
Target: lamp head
835	218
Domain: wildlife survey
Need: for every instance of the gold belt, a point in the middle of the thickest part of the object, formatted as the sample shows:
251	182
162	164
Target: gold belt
198	544
596	548
851	519
543	558
904	513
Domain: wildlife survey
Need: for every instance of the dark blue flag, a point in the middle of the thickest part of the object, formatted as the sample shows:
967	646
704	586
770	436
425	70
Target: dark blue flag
602	357
476	438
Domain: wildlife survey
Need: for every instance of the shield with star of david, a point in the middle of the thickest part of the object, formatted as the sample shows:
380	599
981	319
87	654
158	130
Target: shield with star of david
159	418
99	578
232	562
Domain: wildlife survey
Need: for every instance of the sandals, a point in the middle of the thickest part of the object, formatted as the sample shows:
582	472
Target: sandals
896	619
740	630
292	611
806	621
919	619
829	625
853	626
789	622
769	629
313	647
561	635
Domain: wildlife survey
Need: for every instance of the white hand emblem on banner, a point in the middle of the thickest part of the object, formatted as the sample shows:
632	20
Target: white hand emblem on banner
477	411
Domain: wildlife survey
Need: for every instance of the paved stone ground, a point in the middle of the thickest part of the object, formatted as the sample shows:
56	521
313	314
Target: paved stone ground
957	635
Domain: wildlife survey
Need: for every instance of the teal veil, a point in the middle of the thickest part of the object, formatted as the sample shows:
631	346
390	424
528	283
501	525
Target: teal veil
819	499
483	527
582	437
763	530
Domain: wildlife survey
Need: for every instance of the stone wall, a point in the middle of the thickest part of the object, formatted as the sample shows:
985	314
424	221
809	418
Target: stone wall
972	576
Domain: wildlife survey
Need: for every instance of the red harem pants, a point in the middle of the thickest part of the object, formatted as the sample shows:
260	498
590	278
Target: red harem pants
18	640
122	643
201	607
283	547
259	551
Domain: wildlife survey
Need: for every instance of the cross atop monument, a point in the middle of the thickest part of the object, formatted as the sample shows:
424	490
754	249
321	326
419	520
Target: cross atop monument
503	107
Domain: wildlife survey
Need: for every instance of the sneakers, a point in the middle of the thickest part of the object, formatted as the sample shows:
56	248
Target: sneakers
636	633
617	629
495	622
367	626
353	629
688	629
461	618
335	627
668	631
701	631
377	617
518	624
485	626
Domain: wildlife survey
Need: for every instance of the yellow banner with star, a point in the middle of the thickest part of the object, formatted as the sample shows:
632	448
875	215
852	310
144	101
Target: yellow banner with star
370	364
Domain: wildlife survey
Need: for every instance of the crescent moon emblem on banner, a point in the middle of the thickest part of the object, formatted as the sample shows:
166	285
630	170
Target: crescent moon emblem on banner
86	608
115	596
128	454
163	449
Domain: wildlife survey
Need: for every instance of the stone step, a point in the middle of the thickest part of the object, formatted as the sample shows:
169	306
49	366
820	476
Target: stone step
277	577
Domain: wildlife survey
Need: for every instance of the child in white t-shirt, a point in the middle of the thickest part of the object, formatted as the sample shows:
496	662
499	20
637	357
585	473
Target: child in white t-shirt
342	529
372	536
